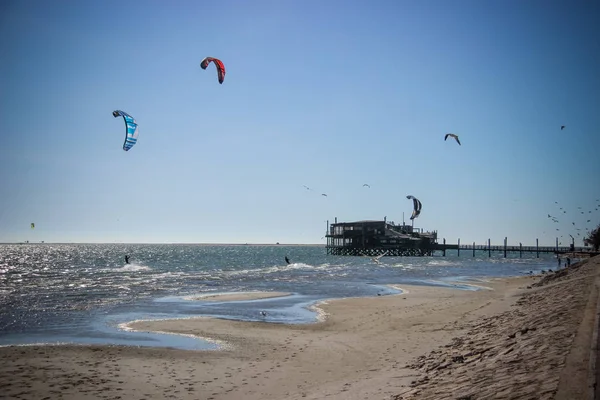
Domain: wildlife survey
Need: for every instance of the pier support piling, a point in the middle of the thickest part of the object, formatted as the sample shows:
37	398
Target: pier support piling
520	250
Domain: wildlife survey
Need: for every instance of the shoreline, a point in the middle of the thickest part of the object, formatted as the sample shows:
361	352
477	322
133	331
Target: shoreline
402	346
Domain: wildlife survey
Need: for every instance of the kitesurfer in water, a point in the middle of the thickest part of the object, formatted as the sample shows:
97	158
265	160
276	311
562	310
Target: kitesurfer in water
287	260
126	259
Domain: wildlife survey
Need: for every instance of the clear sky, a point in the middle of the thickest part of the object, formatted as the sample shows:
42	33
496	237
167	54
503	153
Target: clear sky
328	94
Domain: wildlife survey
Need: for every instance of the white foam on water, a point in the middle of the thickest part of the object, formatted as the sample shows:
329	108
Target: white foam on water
280	268
441	263
131	268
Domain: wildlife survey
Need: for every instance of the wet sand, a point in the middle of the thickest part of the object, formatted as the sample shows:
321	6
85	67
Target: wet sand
241	296
429	343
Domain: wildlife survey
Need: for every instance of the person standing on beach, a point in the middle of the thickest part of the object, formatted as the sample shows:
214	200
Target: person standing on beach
568	262
558	258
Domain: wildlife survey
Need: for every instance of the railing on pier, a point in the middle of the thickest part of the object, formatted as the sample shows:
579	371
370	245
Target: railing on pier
505	248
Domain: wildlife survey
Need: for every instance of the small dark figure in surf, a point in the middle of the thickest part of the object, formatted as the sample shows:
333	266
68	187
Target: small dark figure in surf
287	260
126	259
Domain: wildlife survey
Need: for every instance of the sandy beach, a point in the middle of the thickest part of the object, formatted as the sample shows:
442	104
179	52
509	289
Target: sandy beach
528	338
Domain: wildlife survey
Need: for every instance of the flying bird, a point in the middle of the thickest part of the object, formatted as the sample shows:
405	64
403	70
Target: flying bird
453	136
375	259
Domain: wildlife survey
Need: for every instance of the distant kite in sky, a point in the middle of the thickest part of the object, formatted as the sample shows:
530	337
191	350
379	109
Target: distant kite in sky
32	225
307	188
453	136
218	64
131	129
416	206
367	185
562	127
323	194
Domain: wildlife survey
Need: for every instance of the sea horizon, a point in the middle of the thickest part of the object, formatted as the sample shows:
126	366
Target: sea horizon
176	243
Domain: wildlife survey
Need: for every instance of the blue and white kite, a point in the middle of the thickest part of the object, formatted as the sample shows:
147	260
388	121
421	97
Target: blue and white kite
131	133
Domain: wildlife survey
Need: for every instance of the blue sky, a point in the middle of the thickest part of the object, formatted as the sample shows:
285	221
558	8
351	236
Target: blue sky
328	94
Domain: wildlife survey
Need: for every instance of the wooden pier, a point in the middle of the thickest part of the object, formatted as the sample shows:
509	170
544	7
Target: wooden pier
376	238
505	249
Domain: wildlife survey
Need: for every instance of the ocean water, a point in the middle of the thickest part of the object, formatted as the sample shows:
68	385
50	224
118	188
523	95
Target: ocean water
81	293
